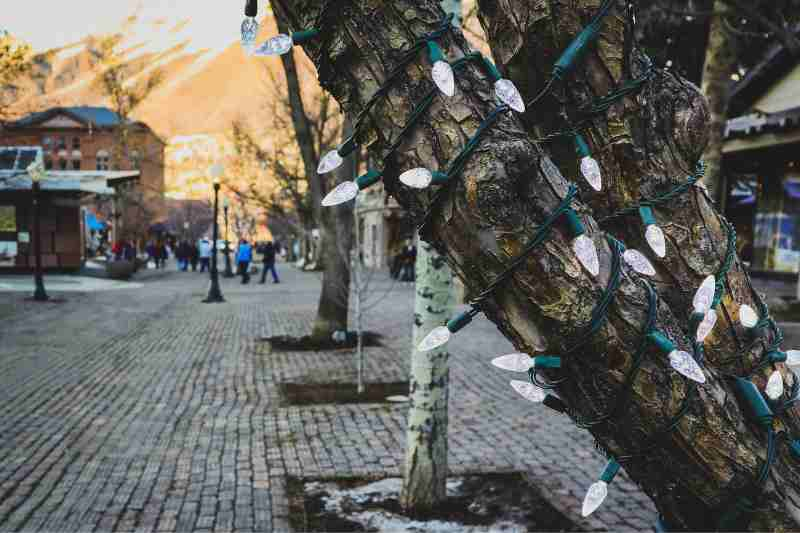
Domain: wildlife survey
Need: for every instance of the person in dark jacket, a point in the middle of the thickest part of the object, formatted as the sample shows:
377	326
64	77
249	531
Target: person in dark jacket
183	253
194	256
268	251
243	256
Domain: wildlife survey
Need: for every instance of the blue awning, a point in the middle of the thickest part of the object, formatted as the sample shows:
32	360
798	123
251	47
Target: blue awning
93	223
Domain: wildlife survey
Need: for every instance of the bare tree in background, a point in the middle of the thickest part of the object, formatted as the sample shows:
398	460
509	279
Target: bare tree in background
15	62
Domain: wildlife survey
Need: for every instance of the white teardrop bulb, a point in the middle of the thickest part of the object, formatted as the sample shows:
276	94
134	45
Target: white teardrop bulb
528	390
774	388
747	316
793	357
586	252
437	337
705	327
655	238
685	364
341	193
705	295
507	93
594	497
514	362
330	161
418	178
249	34
443	77
278	45
639	262
591	171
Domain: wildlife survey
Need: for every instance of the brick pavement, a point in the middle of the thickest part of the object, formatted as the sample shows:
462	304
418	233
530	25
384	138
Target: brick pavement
145	410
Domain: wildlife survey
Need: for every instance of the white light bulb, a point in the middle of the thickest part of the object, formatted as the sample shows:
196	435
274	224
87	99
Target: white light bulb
342	193
443	77
655	238
249	34
774	388
594	497
584	248
685	364
276	46
330	161
418	178
507	93
437	337
514	362
747	316
639	262
705	327
793	357
704	295
591	171
528	390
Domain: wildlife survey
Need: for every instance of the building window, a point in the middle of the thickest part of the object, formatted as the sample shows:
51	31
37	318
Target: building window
62	143
76	143
102	160
47	142
62	163
48	163
76	164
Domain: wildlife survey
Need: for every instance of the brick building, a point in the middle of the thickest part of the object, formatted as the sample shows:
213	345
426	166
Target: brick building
89	138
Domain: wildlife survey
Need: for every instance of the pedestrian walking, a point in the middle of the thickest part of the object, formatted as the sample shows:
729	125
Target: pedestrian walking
243	257
204	252
194	256
183	254
409	255
268	252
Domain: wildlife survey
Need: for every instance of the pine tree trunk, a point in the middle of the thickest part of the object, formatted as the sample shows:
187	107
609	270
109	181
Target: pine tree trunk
425	471
646	144
717	69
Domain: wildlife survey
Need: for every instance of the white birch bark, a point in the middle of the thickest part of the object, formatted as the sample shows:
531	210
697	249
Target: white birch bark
425	471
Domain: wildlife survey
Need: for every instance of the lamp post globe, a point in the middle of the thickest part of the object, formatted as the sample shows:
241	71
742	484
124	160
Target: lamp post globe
214	292
36	172
228	270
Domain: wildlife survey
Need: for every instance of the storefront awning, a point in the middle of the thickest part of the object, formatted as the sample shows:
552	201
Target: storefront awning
91	182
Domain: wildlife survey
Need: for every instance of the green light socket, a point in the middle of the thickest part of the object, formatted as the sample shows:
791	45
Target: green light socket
581	148
491	69
251	8
574	223
459	321
370	178
776	356
435	52
757	406
575	50
347	147
647	216
439	178
547	361
611	469
661	342
299	37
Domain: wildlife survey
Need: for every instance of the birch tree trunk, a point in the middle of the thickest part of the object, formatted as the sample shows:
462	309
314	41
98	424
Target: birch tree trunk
717	69
646	144
425	470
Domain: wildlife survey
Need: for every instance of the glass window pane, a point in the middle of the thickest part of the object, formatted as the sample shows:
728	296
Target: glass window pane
8	218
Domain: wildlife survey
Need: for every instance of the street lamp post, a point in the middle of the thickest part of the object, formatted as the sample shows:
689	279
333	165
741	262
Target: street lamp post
36	172
228	270
214	292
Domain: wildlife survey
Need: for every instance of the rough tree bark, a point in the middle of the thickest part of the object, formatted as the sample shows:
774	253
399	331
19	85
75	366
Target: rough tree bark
335	228
425	470
717	69
646	144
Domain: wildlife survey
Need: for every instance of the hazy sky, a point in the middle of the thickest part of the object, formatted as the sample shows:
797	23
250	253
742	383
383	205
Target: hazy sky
213	23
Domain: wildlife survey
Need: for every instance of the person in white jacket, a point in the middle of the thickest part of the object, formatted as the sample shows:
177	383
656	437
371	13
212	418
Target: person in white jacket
204	251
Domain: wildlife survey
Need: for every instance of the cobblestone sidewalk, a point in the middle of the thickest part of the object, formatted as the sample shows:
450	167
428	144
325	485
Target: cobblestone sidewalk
145	410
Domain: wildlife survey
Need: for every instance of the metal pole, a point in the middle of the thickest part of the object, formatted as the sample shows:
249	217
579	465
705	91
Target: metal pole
39	294
228	270
214	292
